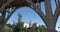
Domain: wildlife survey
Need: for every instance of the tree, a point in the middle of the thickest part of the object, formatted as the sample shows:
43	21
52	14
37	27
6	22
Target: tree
13	25
19	26
38	30
5	30
42	28
8	30
9	25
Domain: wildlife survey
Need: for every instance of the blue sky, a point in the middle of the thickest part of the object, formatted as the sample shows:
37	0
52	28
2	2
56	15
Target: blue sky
29	14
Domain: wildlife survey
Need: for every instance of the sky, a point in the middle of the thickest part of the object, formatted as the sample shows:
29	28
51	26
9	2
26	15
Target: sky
29	14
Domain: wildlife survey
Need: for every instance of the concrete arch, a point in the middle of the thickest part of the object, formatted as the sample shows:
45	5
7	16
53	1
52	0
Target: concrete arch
50	20
29	8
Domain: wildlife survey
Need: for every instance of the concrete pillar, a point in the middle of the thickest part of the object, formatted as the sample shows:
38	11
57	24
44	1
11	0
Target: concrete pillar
1	28
51	29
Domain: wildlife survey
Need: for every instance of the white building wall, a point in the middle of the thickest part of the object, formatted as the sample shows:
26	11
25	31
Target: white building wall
26	25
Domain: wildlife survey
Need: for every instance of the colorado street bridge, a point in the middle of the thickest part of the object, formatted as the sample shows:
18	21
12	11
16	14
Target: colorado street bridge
50	19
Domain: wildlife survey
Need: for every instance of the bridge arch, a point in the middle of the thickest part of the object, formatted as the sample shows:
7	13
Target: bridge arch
33	16
19	3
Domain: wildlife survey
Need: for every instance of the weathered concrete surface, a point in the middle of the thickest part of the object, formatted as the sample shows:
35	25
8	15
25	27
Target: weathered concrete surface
50	19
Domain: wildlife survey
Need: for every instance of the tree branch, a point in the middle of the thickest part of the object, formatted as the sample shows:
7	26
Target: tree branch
37	10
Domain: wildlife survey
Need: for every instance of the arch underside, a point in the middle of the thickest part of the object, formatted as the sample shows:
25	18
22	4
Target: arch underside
17	4
11	4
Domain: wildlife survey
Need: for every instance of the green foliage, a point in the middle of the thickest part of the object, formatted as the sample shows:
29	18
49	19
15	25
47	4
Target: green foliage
5	30
9	25
42	28
8	30
18	27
